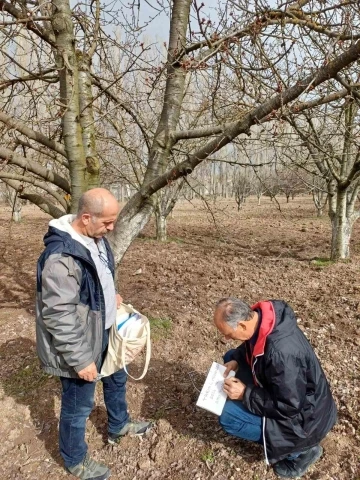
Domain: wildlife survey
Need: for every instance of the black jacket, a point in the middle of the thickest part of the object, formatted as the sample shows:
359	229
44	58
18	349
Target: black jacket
291	392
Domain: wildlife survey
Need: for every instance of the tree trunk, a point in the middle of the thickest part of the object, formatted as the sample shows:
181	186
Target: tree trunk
341	228
17	214
132	219
66	62
87	121
174	92
161	226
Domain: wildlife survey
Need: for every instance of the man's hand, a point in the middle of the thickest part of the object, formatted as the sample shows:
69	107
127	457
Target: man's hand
234	388
89	373
232	365
119	300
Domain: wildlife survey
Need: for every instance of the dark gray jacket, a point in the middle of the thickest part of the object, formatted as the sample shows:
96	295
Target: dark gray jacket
70	307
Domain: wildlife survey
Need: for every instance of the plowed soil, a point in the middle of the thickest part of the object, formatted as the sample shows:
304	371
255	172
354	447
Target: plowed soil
257	253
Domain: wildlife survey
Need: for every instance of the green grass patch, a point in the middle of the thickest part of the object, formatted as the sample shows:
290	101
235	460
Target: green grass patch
26	380
322	262
160	413
160	327
175	240
208	456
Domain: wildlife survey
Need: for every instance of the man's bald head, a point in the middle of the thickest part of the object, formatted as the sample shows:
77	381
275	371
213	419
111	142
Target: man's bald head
97	213
95	202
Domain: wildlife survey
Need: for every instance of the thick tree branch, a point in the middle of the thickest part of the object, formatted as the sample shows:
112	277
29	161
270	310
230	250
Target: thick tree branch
21	127
243	125
51	155
7	83
295	108
36	183
12	158
30	25
44	204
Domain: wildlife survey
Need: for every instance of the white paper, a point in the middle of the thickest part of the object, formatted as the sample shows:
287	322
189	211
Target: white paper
212	396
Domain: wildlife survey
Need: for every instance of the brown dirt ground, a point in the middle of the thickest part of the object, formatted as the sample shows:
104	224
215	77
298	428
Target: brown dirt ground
254	254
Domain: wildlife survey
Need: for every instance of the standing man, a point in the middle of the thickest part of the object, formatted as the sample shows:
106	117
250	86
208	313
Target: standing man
279	396
76	306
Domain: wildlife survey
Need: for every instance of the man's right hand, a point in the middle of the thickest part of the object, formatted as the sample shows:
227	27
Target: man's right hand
232	365
88	373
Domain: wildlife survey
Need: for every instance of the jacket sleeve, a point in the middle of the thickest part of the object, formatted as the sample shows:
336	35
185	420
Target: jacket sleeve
60	297
286	392
239	354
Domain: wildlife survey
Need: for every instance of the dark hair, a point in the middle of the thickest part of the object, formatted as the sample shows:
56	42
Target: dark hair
235	311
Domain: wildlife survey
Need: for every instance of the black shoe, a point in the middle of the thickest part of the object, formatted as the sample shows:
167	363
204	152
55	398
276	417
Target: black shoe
299	466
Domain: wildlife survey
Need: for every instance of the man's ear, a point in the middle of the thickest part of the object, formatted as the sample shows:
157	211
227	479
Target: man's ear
85	217
242	325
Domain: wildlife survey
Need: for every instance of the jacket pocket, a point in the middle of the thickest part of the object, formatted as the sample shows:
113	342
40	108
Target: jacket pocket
93	333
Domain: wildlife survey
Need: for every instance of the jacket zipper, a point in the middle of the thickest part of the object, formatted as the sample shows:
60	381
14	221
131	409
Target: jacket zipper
264	418
100	289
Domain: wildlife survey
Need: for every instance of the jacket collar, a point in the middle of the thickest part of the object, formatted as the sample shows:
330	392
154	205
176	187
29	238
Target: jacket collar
266	327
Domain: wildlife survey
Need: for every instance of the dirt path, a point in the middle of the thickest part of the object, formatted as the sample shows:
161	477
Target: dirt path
255	254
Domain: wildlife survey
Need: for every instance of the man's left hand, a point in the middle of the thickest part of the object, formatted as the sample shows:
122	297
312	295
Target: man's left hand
119	300
234	388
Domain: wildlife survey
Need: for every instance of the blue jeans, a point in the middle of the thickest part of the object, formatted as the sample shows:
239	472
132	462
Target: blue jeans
77	402
236	419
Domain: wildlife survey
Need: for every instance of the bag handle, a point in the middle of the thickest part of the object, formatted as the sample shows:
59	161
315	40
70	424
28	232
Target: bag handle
147	357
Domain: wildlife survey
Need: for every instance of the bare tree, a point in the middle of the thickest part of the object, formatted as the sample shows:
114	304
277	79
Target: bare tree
249	67
242	187
334	150
289	182
166	199
319	194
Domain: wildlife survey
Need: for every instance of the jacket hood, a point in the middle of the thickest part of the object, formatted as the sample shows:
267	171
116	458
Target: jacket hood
59	228
278	318
285	319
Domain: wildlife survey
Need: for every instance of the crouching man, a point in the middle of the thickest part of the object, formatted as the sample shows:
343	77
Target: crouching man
279	396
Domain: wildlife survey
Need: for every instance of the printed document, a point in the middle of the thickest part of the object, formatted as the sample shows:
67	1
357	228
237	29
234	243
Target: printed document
212	396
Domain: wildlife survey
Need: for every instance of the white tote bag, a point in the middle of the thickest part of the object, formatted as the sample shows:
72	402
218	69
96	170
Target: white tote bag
127	342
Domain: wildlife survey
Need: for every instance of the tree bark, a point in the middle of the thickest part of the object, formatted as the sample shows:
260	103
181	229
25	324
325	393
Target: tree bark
161	226
21	127
342	223
34	167
87	121
133	218
66	62
174	93
44	204
138	210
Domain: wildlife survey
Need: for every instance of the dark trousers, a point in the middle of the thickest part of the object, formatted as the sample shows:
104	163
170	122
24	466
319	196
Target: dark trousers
77	402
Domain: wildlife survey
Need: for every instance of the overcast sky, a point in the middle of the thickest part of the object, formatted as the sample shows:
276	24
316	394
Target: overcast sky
158	28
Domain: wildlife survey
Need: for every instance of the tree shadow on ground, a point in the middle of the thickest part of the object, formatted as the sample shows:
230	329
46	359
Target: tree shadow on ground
170	394
24	381
17	286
